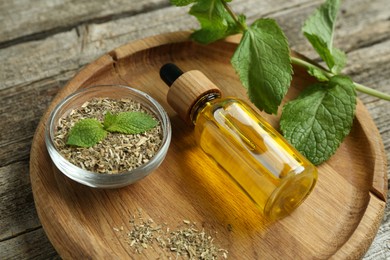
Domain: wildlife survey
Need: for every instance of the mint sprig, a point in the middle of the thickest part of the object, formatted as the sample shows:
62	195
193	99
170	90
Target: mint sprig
321	117
88	132
262	58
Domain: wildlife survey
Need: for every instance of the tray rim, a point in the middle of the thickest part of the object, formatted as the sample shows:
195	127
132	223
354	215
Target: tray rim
379	185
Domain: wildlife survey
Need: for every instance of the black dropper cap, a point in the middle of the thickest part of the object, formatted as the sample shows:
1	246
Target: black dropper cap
169	73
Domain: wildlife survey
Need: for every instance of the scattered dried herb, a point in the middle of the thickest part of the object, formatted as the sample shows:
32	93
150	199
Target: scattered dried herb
187	242
143	234
194	244
117	152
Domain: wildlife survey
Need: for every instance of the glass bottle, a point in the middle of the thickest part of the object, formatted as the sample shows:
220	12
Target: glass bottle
275	176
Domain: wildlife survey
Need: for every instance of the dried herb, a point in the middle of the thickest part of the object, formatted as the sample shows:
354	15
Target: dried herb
185	242
143	235
117	152
194	244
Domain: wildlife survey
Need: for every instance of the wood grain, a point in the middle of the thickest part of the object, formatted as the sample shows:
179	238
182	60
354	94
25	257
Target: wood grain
40	51
339	219
43	17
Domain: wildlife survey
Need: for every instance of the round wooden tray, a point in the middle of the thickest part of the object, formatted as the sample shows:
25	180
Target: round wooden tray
339	219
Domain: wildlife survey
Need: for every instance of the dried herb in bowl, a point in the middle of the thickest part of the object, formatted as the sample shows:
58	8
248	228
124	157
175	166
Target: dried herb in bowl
108	136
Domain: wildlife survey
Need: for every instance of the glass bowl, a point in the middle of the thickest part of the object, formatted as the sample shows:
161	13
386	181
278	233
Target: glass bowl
107	180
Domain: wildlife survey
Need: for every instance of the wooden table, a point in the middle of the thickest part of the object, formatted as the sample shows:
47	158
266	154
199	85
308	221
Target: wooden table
43	44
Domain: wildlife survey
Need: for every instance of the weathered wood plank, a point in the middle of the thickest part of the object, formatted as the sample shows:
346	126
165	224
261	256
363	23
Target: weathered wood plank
31	245
373	72
21	236
18	213
28	18
21	109
34	20
72	49
352	31
380	249
46	58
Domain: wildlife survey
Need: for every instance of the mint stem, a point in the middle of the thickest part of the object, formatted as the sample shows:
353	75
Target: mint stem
359	87
371	91
242	26
308	65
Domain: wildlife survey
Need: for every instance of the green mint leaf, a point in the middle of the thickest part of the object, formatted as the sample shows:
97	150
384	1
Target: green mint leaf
319	29
129	122
262	60
109	119
182	2
317	73
320	118
86	133
340	60
216	22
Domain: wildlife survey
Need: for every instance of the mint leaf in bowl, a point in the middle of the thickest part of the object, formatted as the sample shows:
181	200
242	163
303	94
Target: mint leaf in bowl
129	122
86	133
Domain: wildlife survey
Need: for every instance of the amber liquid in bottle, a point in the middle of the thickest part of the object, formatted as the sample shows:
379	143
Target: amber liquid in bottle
272	173
269	170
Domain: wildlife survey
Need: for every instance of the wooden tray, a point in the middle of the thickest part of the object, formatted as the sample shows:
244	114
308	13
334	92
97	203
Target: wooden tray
339	219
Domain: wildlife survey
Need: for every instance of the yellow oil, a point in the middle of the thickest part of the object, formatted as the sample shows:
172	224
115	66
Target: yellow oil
273	174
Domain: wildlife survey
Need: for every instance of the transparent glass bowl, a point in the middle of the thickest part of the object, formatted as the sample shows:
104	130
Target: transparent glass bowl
105	180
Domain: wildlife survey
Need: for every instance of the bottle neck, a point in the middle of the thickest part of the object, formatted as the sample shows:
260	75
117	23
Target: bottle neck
201	103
